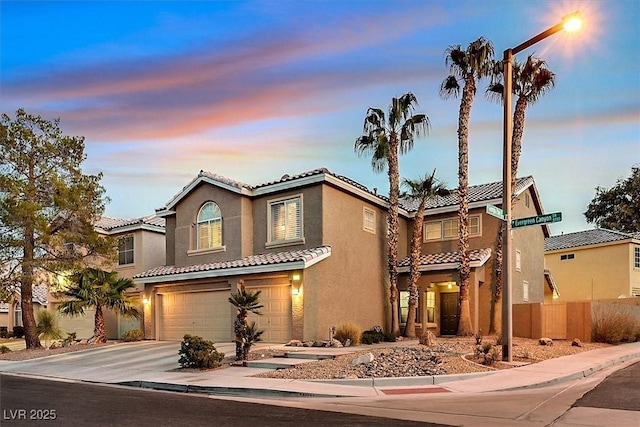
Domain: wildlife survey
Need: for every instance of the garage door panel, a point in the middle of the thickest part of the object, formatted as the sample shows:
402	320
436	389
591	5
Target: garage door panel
205	314
275	320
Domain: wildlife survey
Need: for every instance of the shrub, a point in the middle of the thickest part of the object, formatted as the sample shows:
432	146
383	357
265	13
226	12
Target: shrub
372	337
348	331
4	349
47	328
18	331
4	333
70	339
196	352
249	334
133	335
389	337
614	324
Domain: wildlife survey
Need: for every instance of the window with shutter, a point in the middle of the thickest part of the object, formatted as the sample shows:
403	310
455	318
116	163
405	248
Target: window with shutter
285	221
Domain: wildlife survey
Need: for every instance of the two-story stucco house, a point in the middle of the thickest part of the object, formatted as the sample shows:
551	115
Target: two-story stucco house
314	244
439	284
141	246
594	264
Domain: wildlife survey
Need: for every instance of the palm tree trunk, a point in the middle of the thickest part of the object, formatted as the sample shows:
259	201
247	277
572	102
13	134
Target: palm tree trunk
394	190
414	275
100	330
516	140
496	301
465	327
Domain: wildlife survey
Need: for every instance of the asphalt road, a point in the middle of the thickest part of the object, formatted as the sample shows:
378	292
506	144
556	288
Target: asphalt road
30	402
618	391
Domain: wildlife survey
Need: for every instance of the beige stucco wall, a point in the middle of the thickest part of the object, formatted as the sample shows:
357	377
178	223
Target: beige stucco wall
596	272
350	285
231	207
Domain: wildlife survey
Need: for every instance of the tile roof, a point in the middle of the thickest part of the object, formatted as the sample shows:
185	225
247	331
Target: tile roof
584	238
273	258
40	296
108	223
477	193
430	260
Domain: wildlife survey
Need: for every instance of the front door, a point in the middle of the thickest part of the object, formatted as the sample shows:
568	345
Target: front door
449	314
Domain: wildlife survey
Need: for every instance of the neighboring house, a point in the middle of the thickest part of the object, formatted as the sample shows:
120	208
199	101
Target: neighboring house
315	245
594	264
439	291
141	246
11	313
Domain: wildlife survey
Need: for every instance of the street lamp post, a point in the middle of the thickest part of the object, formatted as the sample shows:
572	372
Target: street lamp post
569	23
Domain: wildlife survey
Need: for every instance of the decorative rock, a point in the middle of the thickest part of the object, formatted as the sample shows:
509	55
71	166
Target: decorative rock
576	343
347	342
377	329
428	339
308	343
545	341
294	343
335	343
365	358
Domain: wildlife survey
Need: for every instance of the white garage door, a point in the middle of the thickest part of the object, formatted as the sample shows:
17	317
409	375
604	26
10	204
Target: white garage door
205	314
276	314
82	325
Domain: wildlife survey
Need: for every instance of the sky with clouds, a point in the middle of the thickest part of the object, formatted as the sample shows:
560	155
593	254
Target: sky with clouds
255	89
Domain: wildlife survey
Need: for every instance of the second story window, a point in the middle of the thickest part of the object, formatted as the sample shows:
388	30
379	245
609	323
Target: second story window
209	226
369	220
285	220
125	250
446	229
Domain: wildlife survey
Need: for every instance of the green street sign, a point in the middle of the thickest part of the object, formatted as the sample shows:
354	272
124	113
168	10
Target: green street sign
495	211
537	220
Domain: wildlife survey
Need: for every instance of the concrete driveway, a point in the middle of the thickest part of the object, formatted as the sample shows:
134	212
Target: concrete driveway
111	364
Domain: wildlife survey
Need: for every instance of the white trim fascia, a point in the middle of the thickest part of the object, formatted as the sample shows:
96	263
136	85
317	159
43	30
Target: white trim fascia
454	208
628	241
292	184
134	227
237	271
186	190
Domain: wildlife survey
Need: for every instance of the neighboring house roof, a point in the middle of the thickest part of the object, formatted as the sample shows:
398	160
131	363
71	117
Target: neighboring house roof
267	262
110	225
40	294
286	182
585	238
446	260
477	194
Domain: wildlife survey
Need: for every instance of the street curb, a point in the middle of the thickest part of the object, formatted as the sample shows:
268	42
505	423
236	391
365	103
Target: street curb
580	374
403	381
222	391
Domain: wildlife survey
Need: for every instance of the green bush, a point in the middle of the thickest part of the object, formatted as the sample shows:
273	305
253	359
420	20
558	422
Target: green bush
133	335
18	331
389	337
613	324
348	331
47	328
196	352
71	338
372	337
4	349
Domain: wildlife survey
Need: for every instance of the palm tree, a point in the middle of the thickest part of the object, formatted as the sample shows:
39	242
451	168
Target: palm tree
245	302
530	81
99	289
467	67
421	189
385	138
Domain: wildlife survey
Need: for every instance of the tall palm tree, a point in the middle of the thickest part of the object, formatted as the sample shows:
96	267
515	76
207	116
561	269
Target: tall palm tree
421	189
467	66
385	138
99	289
245	302
530	81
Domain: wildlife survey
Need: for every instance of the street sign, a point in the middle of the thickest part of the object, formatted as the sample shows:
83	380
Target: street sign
495	211
537	220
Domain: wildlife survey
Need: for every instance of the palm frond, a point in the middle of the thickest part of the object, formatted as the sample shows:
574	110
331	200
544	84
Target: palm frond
450	87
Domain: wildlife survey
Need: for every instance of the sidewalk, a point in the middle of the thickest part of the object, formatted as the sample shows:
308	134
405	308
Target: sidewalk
154	365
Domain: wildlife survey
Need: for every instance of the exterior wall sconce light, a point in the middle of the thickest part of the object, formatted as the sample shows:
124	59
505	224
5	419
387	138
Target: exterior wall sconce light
295	284
146	300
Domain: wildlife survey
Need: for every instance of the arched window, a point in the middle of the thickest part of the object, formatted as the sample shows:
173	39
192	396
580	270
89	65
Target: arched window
209	226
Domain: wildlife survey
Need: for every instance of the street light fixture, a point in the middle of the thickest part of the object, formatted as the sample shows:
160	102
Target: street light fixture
571	22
